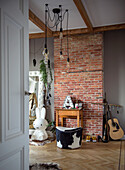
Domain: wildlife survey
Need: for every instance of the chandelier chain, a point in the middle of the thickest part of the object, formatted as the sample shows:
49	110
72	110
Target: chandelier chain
49	17
58	20
67	35
34	49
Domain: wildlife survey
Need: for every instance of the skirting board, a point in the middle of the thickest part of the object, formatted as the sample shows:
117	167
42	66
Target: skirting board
123	138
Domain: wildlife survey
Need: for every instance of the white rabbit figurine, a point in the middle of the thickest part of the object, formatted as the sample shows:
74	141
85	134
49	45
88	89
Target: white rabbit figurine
40	124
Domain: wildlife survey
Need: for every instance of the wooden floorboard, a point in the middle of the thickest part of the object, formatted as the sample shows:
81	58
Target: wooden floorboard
91	156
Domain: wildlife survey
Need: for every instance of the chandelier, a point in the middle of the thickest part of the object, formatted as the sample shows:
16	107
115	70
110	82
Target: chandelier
54	19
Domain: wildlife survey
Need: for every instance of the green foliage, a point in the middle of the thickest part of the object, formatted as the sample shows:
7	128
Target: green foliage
44	73
51	126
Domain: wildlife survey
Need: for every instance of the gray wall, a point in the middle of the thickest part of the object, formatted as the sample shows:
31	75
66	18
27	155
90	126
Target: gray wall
37	46
114	71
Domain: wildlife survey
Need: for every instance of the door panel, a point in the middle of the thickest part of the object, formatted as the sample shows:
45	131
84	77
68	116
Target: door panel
13	160
14	76
21	6
14	102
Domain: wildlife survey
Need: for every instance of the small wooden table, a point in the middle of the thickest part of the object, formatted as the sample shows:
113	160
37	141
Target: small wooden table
69	113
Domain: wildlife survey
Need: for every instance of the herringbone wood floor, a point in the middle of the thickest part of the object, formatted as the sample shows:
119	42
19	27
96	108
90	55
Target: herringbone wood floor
91	156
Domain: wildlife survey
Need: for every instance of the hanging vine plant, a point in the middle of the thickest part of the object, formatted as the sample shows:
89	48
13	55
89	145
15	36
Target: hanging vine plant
43	71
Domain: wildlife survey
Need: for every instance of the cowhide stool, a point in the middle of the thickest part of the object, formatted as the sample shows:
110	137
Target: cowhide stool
68	138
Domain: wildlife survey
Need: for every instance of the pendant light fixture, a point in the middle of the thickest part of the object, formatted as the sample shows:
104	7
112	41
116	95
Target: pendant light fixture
46	51
53	19
61	54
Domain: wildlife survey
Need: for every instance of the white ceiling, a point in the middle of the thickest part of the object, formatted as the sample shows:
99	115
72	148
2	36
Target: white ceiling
105	12
100	12
33	28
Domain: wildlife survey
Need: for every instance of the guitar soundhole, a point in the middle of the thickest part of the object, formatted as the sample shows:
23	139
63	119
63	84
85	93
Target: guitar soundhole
115	124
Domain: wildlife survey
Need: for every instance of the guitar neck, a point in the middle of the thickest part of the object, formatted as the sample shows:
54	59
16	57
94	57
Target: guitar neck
110	114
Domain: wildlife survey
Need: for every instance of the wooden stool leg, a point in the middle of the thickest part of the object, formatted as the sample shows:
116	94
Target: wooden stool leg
61	121
82	120
77	120
57	119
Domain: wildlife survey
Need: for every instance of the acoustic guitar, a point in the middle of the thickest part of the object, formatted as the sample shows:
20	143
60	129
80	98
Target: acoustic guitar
115	131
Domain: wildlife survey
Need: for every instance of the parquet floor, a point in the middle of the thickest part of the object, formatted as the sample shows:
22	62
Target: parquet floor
91	156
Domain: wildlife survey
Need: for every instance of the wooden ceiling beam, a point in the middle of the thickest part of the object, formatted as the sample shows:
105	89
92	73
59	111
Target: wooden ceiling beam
109	28
72	32
38	35
57	33
84	14
80	31
38	22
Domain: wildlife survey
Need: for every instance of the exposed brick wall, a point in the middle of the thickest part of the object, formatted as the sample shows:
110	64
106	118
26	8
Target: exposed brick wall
86	54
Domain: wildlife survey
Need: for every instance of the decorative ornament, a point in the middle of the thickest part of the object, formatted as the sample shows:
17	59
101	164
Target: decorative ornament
68	102
34	62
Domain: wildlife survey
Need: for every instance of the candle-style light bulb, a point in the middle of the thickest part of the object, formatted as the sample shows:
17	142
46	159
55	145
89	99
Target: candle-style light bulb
46	53
68	65
61	55
61	33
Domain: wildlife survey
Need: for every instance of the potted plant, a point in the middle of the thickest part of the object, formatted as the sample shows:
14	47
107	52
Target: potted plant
51	129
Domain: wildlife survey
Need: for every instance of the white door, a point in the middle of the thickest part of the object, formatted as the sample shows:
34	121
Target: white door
14	62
